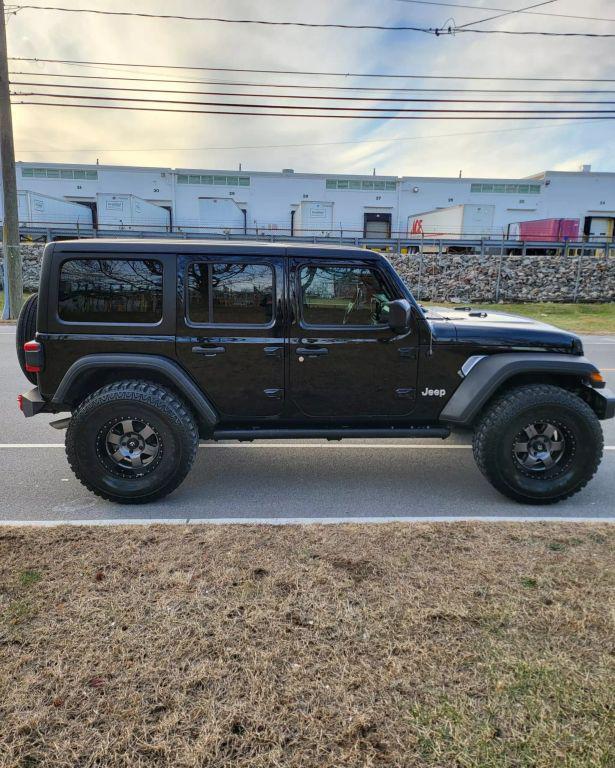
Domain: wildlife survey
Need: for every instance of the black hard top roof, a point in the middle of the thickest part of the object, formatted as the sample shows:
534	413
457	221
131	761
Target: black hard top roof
160	246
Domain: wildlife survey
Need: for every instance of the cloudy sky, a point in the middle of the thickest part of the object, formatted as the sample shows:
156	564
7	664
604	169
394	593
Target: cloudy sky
398	147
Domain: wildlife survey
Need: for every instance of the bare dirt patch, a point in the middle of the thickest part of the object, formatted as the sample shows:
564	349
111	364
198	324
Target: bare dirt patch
390	645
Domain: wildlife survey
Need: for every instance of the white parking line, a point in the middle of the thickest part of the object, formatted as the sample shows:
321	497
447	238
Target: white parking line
310	520
239	446
31	445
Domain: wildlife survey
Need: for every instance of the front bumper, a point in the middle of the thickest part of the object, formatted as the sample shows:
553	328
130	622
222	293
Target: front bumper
603	402
32	402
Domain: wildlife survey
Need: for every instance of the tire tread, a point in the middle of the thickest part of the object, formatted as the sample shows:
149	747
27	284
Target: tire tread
517	399
152	395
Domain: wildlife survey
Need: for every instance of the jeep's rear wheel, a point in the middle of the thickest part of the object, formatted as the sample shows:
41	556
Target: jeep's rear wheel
131	441
538	444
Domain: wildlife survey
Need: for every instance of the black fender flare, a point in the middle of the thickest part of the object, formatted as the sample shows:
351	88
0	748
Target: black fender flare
168	369
488	375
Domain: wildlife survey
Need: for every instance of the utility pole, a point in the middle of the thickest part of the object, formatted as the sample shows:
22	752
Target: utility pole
13	279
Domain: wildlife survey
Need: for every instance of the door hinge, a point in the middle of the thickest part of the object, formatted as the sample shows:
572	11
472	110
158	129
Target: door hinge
273	394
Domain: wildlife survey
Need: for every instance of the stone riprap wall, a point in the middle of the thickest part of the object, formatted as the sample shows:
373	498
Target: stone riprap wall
589	277
31	254
471	278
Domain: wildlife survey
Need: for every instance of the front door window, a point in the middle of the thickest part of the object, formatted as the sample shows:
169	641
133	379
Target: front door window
353	296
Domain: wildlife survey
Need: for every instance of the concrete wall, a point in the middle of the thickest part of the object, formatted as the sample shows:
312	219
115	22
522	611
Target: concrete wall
470	278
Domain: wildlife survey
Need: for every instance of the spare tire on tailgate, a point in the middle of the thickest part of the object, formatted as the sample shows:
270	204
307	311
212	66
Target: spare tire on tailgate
26	331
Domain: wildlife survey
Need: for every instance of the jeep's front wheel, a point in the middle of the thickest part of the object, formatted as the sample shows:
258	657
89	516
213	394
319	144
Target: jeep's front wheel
538	444
131	441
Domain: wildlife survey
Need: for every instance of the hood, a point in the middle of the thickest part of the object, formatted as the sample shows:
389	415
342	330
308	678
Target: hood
488	328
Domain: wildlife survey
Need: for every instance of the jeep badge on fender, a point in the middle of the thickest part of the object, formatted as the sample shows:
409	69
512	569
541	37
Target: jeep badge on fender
433	392
149	346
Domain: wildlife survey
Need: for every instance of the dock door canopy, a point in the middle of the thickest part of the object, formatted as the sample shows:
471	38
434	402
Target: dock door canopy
376	225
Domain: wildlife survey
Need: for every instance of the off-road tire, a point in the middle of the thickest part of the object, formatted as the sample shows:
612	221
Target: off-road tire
26	331
168	417
508	415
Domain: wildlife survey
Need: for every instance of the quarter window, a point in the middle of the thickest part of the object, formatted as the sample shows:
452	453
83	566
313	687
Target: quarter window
111	291
230	294
343	296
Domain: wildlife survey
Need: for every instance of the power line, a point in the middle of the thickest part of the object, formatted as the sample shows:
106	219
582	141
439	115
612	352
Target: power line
233	84
293	114
461	30
319	107
384	75
318	144
262	22
491	8
378	99
506	13
436	31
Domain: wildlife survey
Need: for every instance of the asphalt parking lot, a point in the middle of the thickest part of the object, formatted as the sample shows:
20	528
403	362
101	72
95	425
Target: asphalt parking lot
282	480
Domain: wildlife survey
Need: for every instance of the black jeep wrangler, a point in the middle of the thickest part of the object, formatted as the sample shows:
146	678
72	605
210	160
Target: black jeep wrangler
151	345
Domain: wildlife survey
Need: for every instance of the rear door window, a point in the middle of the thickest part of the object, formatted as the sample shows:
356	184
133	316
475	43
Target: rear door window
110	291
230	294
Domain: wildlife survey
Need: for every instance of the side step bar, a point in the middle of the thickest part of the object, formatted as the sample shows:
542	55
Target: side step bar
328	434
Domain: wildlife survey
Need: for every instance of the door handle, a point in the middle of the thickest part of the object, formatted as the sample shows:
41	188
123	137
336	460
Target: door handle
208	351
312	351
273	351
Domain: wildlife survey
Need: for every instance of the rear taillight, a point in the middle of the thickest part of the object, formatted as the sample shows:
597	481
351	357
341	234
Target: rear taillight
34	356
20	402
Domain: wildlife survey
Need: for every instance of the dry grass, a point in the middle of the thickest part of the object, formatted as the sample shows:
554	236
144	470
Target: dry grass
420	645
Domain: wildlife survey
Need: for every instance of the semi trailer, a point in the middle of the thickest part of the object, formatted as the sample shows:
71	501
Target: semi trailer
129	212
544	230
38	211
460	222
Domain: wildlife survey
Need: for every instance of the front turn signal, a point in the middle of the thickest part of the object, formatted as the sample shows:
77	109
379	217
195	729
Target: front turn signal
597	379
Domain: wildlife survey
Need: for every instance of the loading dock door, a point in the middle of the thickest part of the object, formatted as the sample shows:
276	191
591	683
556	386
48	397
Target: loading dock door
601	228
377	225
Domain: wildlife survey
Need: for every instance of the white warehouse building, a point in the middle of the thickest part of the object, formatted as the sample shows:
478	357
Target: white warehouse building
289	204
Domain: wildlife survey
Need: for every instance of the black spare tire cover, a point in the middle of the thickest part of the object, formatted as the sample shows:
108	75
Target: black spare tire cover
26	331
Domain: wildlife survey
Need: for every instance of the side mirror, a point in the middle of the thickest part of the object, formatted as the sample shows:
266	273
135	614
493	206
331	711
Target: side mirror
399	313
